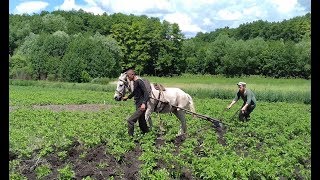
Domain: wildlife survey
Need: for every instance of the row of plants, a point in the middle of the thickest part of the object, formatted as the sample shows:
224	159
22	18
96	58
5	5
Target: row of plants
274	144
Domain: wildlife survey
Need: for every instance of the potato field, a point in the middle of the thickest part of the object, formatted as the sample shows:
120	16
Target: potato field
70	133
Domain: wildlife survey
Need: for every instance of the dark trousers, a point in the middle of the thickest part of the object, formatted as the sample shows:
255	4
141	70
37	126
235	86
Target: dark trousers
137	115
246	115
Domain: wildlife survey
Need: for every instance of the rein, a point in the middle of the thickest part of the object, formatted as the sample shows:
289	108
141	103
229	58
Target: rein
157	101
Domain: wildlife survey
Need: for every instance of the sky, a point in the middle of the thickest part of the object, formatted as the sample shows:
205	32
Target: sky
192	16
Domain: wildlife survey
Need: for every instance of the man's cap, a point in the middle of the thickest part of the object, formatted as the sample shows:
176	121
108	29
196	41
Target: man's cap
241	83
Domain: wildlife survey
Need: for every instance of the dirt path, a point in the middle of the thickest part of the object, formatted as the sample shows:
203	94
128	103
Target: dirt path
69	107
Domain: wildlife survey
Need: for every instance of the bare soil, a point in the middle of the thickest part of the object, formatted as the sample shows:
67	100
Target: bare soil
96	162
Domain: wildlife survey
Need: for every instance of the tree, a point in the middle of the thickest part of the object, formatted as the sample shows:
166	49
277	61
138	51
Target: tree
170	51
19	28
33	50
19	67
215	52
55	46
90	57
52	23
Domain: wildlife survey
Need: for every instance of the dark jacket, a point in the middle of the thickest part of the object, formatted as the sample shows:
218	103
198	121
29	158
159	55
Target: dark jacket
139	93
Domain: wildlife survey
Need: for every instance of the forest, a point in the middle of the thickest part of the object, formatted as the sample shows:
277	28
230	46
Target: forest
77	46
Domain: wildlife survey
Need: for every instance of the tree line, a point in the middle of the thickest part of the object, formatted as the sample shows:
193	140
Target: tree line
78	46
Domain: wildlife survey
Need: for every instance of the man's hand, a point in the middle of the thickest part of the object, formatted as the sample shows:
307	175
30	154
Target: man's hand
244	108
124	98
143	107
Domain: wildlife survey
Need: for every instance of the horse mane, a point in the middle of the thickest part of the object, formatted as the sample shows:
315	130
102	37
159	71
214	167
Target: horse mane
159	87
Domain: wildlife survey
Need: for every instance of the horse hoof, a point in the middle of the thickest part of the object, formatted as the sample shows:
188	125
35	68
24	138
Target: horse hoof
221	125
180	133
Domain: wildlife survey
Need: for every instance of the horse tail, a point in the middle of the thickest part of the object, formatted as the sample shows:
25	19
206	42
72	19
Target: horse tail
191	104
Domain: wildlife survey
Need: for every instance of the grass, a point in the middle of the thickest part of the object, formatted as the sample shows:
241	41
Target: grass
207	86
257	83
266	88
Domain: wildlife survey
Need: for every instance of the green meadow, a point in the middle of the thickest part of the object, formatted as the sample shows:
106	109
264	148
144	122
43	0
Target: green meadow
257	83
207	86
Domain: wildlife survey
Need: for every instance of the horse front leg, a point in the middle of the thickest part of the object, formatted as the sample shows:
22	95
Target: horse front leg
148	117
181	116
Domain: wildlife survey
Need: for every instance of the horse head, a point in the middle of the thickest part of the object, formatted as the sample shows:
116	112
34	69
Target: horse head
123	85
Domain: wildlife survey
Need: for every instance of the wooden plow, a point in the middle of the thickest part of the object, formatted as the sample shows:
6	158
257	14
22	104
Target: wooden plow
216	123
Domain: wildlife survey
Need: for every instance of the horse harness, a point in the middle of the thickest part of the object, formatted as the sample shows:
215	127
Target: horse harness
159	104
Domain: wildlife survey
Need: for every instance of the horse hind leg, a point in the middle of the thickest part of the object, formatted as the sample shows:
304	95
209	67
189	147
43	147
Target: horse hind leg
149	122
181	116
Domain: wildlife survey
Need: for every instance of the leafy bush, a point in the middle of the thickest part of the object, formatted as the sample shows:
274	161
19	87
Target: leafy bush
85	76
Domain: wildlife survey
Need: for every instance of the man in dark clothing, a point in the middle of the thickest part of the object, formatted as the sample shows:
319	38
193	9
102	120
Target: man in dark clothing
141	96
249	101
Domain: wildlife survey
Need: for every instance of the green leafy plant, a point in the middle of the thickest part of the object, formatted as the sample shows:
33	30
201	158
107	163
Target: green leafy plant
102	165
66	172
42	171
62	154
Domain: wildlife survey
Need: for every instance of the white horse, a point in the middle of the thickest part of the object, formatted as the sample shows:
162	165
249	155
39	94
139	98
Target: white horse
165	101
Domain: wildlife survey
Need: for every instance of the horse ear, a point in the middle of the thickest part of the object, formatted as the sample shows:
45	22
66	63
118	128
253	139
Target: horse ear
123	71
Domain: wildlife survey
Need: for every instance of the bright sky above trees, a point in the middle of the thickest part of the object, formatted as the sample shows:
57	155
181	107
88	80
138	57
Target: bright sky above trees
193	16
